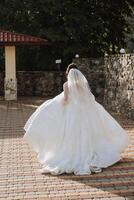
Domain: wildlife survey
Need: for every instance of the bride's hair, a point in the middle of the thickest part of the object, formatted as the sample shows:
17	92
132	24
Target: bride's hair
71	66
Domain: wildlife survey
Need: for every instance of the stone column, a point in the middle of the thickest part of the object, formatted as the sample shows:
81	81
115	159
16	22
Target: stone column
119	88
10	73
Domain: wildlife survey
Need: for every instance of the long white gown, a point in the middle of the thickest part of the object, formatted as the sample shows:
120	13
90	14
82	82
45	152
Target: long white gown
73	136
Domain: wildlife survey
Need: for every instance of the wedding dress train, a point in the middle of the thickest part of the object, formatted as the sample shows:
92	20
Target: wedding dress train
73	136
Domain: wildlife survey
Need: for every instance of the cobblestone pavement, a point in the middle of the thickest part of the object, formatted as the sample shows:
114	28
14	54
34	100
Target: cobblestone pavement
20	177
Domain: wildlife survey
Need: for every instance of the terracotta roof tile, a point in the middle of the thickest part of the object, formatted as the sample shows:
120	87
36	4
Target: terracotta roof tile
12	38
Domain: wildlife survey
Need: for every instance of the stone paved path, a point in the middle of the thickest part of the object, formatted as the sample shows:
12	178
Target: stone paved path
19	170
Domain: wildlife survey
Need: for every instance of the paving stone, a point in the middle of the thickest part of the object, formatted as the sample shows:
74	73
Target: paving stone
20	177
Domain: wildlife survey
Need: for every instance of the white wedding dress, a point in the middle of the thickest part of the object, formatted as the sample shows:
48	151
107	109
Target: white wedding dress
73	136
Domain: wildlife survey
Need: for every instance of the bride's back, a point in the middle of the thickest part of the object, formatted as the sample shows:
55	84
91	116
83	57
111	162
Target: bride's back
78	87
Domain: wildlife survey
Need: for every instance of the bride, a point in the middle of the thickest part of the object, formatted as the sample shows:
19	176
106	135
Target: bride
73	133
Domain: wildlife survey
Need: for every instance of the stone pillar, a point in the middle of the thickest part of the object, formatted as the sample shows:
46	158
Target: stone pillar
10	73
119	88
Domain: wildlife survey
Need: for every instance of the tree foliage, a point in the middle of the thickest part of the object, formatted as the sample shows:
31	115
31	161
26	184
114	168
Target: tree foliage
89	27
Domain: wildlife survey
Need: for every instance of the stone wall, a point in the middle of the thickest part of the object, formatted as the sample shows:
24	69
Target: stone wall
110	78
37	83
119	87
93	69
50	83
